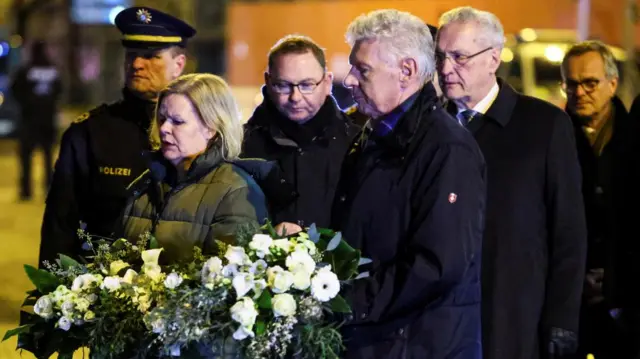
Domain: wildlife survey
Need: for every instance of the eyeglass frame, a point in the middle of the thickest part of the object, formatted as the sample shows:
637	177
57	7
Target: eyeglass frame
292	86
575	84
443	56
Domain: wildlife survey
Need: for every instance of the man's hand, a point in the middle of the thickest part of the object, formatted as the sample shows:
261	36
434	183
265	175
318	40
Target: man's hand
287	228
593	286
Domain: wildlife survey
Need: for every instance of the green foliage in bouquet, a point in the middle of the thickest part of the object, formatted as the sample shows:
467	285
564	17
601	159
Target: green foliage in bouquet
263	295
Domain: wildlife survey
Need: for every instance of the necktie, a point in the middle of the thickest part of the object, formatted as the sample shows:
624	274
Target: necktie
466	116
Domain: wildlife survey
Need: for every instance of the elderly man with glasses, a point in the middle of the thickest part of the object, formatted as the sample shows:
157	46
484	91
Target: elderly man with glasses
534	243
300	126
608	144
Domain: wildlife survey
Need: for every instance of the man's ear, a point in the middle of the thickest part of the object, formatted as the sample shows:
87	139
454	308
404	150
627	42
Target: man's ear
180	62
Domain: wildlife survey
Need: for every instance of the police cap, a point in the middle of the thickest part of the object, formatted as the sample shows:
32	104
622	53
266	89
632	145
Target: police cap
148	29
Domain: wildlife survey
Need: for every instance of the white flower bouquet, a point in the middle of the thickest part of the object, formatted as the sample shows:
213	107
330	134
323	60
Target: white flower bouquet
266	296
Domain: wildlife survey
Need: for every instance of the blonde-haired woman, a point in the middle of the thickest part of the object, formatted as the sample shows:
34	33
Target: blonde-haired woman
193	192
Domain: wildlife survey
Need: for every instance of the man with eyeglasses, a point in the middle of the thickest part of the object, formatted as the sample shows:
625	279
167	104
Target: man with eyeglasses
534	243
608	144
300	126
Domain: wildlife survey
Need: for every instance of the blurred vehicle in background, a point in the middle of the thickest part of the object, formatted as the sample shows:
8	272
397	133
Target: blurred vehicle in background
531	64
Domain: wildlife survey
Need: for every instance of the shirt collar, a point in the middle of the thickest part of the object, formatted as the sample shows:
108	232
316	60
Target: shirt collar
484	104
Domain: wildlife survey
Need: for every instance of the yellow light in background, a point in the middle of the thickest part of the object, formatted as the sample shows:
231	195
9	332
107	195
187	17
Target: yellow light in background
554	53
590	356
1	98
506	55
15	41
528	34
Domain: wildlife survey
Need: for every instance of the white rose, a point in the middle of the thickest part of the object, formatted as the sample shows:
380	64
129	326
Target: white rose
242	283
300	261
67	309
244	312
301	280
261	243
44	307
272	271
173	280
283	305
117	266
242	333
284	244
64	323
111	284
236	255
84	281
325	285
282	282
89	316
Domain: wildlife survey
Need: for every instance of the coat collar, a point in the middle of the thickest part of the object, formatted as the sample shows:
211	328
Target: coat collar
407	126
504	104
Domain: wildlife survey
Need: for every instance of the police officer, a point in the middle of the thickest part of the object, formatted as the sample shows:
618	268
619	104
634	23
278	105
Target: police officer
101	152
36	88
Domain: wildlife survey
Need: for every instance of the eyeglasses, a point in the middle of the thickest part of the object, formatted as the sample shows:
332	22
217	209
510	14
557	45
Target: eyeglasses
588	85
458	59
286	88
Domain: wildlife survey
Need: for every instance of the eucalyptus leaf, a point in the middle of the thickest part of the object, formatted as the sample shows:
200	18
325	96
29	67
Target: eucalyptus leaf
364	261
335	241
314	235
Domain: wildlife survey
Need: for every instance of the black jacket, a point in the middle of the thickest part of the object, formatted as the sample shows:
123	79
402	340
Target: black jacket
309	156
534	245
100	154
413	201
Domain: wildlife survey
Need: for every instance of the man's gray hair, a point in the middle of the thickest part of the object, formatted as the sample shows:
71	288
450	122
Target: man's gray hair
404	35
581	48
489	25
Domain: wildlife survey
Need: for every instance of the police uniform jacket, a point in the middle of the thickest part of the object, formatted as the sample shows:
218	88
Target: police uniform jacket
193	208
100	155
413	202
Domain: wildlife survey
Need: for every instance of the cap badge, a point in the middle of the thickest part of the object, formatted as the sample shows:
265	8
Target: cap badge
143	15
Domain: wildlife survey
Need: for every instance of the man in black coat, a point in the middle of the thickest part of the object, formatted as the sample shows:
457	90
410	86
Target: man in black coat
101	152
534	244
411	197
608	144
300	126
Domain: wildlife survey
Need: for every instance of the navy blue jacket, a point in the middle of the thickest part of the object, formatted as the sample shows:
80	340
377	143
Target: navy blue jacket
413	201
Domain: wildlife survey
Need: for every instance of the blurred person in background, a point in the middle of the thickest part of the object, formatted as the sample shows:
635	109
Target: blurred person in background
300	126
102	151
36	88
608	144
534	244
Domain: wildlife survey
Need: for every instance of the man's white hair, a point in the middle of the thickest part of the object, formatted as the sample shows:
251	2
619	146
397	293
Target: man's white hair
489	25
404	35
